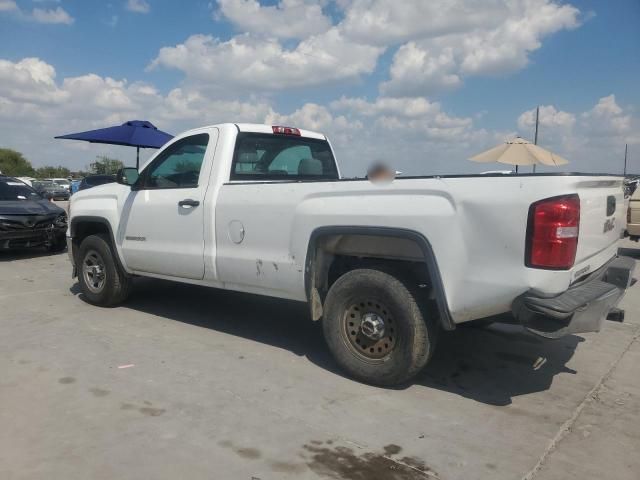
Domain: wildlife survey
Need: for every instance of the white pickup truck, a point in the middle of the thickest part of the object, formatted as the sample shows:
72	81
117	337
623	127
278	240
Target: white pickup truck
263	209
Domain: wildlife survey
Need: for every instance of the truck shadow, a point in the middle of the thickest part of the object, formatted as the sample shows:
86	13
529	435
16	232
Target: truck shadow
630	252
494	364
490	365
27	253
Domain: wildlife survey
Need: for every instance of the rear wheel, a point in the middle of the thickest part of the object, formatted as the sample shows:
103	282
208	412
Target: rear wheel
376	329
102	281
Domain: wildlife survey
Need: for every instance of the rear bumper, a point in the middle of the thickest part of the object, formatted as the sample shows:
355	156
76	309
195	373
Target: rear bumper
582	308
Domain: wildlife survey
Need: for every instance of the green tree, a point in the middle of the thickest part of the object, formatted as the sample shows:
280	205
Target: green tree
105	165
52	172
13	163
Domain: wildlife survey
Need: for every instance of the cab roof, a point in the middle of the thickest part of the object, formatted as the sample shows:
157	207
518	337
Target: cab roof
259	128
264	128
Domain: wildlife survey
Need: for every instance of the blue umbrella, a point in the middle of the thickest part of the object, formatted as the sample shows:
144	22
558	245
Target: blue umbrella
134	133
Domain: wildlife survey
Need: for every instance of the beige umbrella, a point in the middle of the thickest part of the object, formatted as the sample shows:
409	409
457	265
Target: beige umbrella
520	152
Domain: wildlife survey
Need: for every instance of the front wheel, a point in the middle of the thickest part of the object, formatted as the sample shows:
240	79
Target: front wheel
102	281
375	328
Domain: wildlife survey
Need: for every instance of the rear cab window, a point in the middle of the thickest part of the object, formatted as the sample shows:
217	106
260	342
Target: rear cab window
264	156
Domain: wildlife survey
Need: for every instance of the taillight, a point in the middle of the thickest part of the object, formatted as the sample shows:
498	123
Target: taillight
552	233
285	131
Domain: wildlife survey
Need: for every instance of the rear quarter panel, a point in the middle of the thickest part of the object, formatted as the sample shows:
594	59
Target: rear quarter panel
476	226
493	213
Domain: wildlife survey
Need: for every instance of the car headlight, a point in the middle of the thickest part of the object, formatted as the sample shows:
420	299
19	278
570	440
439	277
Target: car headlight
61	220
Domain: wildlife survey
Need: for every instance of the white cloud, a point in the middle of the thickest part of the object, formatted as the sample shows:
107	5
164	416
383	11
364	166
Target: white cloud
29	80
138	6
413	134
386	22
247	62
440	42
605	120
608	119
33	100
416	113
439	62
8	6
549	116
311	116
287	19
592	140
555	130
54	15
416	70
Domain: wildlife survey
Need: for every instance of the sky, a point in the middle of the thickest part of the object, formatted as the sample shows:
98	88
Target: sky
421	85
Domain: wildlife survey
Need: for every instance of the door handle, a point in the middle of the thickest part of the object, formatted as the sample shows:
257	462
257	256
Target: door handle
187	202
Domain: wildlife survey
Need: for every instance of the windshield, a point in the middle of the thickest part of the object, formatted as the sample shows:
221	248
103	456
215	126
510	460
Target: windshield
260	156
99	180
62	182
16	190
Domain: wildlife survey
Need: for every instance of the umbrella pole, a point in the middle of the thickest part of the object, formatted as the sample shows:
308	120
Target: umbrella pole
137	158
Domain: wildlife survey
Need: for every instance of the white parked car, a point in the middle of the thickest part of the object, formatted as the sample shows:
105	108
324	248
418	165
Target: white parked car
63	182
27	180
385	266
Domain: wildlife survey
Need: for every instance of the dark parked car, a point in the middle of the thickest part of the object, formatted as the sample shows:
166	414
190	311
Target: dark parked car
51	190
95	180
29	220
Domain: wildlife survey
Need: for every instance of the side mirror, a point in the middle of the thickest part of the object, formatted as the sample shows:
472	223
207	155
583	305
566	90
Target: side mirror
127	176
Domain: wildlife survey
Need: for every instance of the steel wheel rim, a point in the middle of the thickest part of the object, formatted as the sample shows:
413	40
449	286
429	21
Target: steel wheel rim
94	271
364	346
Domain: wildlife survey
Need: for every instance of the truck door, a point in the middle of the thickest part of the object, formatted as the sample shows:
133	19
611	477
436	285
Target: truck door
162	222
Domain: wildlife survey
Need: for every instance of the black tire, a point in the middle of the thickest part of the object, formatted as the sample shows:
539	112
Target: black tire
108	289
411	334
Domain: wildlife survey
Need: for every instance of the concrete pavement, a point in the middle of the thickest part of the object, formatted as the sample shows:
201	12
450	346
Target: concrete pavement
188	382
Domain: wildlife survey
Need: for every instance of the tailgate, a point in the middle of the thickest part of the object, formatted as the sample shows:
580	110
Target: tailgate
602	219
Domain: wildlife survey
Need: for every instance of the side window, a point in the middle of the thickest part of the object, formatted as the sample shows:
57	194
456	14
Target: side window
179	165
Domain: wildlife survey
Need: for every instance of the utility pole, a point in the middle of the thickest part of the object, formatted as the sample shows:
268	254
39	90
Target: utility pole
535	138
624	172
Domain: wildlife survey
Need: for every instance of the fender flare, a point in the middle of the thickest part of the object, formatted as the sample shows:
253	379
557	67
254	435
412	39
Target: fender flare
427	250
101	220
